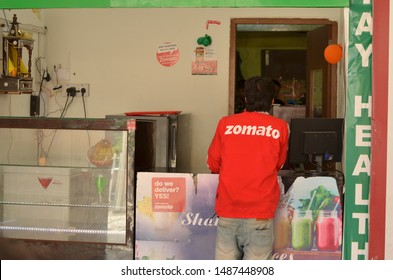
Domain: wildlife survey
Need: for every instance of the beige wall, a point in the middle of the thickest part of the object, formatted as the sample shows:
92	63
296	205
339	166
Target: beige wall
114	50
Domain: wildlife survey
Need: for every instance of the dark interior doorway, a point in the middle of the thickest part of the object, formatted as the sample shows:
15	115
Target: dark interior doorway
311	83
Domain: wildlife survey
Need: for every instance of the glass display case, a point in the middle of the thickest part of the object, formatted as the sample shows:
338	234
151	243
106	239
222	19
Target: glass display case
67	180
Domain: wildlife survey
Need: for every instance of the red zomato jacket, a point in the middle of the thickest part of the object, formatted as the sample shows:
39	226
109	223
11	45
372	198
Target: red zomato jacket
248	150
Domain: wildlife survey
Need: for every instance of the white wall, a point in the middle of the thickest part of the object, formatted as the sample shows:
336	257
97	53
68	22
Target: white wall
114	50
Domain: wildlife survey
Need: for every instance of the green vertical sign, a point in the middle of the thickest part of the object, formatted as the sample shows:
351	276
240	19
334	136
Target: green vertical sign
358	131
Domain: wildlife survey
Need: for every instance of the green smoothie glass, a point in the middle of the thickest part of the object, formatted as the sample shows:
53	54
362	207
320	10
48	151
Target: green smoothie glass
302	230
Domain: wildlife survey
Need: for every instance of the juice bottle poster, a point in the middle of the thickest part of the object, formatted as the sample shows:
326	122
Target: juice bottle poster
308	220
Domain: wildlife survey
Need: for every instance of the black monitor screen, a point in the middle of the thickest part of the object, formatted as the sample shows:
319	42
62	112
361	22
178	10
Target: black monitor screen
312	138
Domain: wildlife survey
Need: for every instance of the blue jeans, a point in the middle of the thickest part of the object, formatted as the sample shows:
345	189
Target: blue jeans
244	239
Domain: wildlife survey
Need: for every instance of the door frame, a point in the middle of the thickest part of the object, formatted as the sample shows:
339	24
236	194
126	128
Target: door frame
332	68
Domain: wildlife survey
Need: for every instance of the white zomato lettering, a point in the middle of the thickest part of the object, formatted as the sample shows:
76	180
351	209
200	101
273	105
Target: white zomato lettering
252	130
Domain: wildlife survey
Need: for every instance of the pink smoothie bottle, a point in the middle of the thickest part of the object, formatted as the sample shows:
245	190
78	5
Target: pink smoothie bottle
327	231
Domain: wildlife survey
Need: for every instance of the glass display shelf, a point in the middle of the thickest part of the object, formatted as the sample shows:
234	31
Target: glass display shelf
66	179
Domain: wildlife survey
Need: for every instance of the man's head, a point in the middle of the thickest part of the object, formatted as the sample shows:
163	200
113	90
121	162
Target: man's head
260	93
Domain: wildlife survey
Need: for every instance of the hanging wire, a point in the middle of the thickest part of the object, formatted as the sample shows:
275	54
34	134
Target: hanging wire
40	94
6	21
67	106
84	106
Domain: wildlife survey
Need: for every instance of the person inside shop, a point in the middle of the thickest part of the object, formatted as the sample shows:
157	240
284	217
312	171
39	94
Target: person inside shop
247	151
278	88
240	103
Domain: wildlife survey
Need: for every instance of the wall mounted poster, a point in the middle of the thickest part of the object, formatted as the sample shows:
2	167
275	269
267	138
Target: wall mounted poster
175	216
167	54
204	61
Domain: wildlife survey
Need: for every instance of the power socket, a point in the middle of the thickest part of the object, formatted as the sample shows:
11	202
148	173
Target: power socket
78	89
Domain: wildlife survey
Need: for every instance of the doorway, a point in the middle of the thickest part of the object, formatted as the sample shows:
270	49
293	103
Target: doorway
280	45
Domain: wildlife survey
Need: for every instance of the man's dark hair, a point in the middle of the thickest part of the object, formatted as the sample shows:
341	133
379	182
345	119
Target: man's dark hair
259	93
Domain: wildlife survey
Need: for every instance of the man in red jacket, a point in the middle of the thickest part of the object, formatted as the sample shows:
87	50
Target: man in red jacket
248	150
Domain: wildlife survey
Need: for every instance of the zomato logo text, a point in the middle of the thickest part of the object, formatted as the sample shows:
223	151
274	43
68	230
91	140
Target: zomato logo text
267	131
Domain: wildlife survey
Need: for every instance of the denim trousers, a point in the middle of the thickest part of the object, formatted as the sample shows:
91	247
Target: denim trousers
244	239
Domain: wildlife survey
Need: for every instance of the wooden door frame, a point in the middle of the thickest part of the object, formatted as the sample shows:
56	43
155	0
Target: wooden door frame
332	69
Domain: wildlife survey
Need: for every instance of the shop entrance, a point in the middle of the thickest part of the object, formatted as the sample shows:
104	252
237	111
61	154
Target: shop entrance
288	50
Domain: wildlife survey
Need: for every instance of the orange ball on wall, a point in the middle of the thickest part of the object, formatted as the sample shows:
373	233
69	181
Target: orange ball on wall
333	53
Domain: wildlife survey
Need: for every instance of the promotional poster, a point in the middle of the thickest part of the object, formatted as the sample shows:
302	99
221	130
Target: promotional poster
175	218
308	221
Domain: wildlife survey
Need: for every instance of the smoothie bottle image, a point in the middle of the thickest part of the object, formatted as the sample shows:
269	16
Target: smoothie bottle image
302	230
281	229
327	231
200	54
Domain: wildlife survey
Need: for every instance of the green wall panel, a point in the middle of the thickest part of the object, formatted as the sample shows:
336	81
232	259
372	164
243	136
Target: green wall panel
24	4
